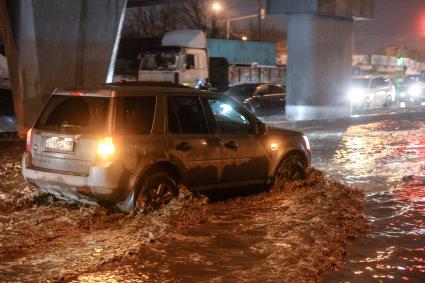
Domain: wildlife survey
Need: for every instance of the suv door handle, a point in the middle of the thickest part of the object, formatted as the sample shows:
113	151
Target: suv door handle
231	145
184	146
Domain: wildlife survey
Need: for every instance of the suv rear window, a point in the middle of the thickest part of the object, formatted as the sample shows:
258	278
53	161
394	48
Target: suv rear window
135	115
79	114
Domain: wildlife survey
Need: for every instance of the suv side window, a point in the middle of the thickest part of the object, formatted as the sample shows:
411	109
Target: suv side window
186	116
135	115
229	119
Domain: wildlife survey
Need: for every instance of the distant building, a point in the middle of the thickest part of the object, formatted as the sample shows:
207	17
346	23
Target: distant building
404	52
383	64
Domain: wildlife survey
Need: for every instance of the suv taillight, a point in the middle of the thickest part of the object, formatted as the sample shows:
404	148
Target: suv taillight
29	140
106	148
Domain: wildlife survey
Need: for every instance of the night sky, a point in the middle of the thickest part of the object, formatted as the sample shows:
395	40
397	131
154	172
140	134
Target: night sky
397	22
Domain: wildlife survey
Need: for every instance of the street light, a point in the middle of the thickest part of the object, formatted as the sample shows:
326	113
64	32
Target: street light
244	38
217	7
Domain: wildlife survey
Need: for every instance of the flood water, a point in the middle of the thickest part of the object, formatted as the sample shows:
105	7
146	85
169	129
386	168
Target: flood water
386	159
264	237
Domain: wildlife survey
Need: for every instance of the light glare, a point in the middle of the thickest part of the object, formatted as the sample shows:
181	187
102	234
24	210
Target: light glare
274	146
216	7
106	147
356	94
225	108
415	90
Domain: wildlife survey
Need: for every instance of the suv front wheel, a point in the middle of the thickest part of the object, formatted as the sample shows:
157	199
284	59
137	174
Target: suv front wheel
155	190
293	167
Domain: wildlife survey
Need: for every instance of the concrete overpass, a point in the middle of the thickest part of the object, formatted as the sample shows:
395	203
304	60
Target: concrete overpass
320	38
53	43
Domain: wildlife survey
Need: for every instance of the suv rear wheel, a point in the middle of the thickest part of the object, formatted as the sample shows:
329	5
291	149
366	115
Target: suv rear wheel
292	167
155	190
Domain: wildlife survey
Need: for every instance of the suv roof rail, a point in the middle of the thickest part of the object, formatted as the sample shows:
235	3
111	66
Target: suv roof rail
145	83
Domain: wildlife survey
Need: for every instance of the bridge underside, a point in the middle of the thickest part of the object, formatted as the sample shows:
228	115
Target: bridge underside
136	3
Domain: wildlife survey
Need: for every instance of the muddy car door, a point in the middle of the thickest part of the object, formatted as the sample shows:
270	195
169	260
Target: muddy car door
244	159
191	143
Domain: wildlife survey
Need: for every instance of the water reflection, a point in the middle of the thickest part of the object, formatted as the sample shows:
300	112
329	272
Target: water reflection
387	160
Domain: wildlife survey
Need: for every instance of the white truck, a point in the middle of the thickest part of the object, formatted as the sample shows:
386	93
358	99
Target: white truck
184	58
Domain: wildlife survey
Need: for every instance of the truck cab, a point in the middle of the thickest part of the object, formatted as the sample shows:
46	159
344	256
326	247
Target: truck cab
182	59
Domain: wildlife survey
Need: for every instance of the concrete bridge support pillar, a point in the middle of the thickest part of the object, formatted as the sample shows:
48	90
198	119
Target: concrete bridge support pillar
319	54
57	43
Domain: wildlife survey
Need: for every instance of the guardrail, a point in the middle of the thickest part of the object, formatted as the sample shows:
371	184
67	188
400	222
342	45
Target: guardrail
272	74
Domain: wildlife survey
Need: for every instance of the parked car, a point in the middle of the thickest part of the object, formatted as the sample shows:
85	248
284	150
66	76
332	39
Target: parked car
130	144
368	92
412	91
260	98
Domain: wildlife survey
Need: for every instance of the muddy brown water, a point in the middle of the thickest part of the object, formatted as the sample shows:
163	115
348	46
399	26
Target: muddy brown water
239	242
386	159
295	234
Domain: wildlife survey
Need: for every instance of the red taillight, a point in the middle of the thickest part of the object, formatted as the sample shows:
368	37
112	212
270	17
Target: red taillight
29	139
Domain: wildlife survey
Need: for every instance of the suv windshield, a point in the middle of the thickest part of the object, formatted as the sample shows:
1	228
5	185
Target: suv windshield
159	60
79	114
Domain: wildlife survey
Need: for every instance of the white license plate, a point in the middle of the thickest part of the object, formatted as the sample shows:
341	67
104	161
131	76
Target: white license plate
59	144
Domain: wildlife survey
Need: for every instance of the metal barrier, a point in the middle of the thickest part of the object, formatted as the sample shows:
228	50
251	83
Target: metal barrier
239	75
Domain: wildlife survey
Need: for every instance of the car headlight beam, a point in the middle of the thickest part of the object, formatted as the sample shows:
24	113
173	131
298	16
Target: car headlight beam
415	90
356	94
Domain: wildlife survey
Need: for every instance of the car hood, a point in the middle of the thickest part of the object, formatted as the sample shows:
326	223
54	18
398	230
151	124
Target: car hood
281	131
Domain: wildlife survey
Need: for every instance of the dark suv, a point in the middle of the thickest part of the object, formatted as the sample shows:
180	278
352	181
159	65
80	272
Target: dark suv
131	144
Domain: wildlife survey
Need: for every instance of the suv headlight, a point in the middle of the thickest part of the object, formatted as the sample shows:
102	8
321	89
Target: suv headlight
307	142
